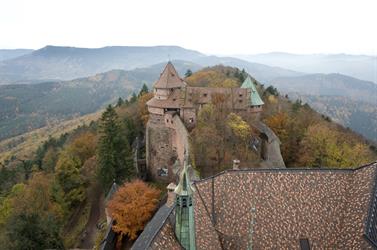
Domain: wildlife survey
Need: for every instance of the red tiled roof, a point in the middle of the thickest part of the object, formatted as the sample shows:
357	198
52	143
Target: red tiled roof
327	207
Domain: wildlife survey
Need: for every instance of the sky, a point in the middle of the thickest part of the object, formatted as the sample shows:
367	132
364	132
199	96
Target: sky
209	26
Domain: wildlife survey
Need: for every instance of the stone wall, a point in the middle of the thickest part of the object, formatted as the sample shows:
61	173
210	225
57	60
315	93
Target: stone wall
160	155
167	140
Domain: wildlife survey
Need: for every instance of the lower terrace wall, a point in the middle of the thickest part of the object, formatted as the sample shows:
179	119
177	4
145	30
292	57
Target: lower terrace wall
160	156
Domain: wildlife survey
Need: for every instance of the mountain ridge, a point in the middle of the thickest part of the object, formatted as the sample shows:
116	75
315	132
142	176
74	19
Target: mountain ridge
363	67
66	63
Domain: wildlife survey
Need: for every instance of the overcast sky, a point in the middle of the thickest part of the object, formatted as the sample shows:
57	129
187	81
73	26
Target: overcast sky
210	26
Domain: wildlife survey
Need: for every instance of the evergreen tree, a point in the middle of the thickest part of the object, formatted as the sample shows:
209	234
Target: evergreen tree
143	90
114	153
120	102
31	231
133	98
188	73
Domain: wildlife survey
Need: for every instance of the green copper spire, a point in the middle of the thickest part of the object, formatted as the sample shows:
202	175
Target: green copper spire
184	211
255	99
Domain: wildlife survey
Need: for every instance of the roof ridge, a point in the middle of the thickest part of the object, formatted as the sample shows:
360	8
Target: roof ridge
272	170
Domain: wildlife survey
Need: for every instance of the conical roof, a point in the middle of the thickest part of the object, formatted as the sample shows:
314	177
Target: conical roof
255	99
169	78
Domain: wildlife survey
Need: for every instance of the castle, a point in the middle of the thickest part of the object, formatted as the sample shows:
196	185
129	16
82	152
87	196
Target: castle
265	208
173	113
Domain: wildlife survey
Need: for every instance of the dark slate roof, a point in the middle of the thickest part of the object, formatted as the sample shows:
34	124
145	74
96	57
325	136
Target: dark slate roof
152	228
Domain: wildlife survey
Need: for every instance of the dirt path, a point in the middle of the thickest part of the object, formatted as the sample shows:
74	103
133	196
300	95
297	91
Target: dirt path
96	211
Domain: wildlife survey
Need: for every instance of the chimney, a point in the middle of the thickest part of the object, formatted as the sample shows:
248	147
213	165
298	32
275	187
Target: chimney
171	195
236	164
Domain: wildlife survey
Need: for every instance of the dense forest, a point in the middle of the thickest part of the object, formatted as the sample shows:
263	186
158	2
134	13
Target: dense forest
46	201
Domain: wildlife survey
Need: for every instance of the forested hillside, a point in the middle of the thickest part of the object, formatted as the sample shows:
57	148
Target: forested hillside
48	199
347	100
25	107
360	116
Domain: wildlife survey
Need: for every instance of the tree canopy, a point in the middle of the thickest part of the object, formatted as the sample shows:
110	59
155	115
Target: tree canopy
132	206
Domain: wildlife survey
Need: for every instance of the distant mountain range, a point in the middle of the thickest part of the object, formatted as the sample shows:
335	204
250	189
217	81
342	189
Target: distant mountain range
66	63
6	54
360	66
28	103
329	85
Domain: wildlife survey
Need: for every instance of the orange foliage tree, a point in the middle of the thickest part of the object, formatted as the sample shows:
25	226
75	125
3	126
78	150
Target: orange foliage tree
132	207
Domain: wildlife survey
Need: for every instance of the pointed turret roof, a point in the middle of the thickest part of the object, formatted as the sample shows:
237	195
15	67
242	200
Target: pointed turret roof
255	99
184	186
169	78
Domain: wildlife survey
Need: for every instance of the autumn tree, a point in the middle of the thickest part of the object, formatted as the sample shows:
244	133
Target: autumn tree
70	179
114	153
83	145
220	136
34	217
132	207
327	147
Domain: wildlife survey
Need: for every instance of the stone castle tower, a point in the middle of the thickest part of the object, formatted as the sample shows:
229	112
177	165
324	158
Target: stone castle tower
172	113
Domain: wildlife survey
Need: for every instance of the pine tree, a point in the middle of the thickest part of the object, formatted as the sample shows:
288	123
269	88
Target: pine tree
133	98
120	102
143	90
114	153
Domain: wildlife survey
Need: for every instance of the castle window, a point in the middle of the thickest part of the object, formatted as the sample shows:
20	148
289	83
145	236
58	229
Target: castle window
240	95
240	101
167	120
171	121
191	120
174	99
205	94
